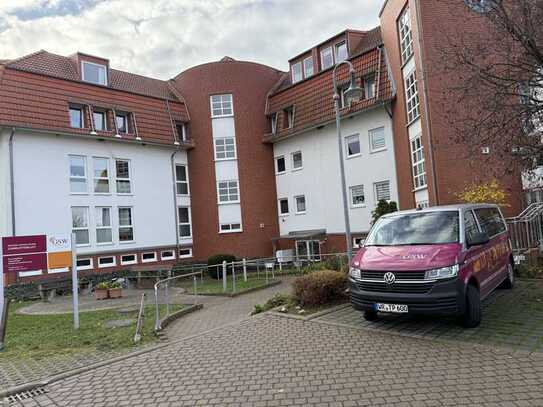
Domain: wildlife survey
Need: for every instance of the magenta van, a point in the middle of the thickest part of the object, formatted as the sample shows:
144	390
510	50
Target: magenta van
441	260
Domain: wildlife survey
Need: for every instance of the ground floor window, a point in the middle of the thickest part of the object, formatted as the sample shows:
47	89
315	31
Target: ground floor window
129	259
184	222
148	257
185	253
80	225
167	255
382	191
308	249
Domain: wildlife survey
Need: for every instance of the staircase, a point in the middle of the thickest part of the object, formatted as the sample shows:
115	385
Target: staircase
526	229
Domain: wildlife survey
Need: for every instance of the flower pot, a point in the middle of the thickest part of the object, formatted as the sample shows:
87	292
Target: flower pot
115	292
101	293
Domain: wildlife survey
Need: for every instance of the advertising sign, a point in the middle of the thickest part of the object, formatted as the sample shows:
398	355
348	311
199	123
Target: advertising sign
59	253
24	244
23	254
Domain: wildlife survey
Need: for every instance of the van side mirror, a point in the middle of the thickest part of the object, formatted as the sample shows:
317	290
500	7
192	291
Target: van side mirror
478	239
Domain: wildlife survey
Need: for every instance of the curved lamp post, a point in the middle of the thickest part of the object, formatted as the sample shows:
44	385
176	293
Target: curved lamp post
353	92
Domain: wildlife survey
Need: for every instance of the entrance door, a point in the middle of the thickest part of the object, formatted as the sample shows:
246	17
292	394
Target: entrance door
308	250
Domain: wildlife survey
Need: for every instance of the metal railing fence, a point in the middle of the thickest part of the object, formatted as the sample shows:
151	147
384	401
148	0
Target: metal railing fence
526	230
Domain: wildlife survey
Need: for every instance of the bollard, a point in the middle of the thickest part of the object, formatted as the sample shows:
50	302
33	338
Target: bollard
257	270
233	278
245	270
195	290
224	276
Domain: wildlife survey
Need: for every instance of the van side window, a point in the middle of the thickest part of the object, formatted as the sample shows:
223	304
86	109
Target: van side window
490	220
470	225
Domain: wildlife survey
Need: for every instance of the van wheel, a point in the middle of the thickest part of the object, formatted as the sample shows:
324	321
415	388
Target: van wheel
370	315
472	315
509	282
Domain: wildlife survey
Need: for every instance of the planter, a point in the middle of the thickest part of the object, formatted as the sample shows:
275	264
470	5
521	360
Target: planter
101	293
115	292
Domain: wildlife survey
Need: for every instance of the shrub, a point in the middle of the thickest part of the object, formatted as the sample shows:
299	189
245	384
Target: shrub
383	207
216	272
104	285
319	288
275	301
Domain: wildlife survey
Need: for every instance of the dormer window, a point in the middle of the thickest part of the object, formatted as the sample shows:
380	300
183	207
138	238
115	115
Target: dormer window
289	117
273	120
369	87
327	58
99	121
181	131
122	122
341	52
297	72
76	117
308	66
94	73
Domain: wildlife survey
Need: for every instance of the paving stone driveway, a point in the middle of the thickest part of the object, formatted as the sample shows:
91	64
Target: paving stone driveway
511	318
273	360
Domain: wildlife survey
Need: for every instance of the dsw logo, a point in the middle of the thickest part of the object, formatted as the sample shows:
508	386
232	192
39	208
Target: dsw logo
58	242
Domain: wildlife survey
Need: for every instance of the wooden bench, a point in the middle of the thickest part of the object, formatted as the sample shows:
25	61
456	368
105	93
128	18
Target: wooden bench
48	289
148	282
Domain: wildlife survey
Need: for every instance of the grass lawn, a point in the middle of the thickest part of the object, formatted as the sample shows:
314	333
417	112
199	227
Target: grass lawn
212	286
39	336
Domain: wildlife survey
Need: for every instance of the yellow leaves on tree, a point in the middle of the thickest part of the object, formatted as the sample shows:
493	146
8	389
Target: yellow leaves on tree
489	192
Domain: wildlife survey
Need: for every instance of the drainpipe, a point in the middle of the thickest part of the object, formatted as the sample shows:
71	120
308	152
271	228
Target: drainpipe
12	182
172	159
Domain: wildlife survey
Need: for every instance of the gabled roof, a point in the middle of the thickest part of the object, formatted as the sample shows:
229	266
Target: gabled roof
58	66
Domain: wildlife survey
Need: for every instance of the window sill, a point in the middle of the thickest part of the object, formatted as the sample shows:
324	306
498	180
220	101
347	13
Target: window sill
103	193
420	188
83	245
412	121
301	213
185	237
225	159
183	195
107	267
127	242
280	173
228	203
149	261
378	150
104	244
226	232
79	193
297	169
130	263
130	194
221	116
358	206
284	215
353	156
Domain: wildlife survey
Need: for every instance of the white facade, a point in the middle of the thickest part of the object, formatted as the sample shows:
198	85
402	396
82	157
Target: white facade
319	178
44	198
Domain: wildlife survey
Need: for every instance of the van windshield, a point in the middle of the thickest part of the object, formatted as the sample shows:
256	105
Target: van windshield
416	229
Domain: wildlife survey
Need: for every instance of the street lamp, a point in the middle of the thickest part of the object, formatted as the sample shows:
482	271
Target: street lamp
353	92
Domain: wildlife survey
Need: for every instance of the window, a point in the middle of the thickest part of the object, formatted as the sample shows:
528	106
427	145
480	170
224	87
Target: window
352	145
369	87
412	97
491	221
126	225
78	174
382	191
184	253
76	117
80	225
101	175
230	227
181	130
377	139
225	148
358	242
167	255
184	222
280	165
127	259
99	121
283	206
84	264
123	176
300	204
481	6
297	162
122	122
296	72
341	52
221	105
422	204
417	161
103	226
406	38
289	117
228	191
109	261
148	257
308	67
94	73
273	120
357	195
181	180
327	58
342	101
470	225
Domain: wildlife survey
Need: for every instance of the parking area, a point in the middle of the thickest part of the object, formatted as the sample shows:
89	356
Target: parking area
511	319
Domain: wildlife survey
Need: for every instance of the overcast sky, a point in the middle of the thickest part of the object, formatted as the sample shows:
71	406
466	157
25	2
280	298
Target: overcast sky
161	38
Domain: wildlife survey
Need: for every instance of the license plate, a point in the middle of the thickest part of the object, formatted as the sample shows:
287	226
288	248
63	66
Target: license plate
397	308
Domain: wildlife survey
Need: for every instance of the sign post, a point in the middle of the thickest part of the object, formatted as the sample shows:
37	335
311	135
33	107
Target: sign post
75	284
2	319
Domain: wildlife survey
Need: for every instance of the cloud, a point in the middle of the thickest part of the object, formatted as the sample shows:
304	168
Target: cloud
161	38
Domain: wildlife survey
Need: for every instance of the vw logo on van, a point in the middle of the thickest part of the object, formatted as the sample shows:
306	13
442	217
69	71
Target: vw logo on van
390	278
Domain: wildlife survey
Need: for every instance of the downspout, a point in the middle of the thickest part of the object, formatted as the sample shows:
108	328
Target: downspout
12	182
172	159
426	103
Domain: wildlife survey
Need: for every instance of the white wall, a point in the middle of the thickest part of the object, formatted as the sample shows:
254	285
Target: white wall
42	189
5	206
319	179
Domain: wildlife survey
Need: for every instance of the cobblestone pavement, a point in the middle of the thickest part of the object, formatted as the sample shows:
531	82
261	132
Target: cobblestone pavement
274	360
511	318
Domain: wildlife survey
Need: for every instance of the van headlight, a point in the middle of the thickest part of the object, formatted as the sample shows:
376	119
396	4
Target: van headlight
442	273
355	273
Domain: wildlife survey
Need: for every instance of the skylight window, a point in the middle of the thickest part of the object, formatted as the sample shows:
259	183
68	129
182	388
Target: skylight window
94	73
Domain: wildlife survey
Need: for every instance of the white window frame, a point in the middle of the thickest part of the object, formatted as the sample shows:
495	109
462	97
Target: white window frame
226	157
110	227
89	267
336	52
292	160
375	186
184	256
131	226
370	87
230	224
326	50
351	196
105	266
222	107
305	67
181	182
412	104
153	260
371	134
104	67
123	180
165	258
418	161
405	36
348	141
125	117
296	205
129	262
358	242
189	223
95	178
81	117
77	177
279	207
277	172
301	72
289	112
273	119
87	227
103	113
229	193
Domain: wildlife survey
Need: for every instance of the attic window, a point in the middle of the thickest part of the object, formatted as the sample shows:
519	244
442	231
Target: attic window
273	120
289	117
181	131
341	52
94	73
297	72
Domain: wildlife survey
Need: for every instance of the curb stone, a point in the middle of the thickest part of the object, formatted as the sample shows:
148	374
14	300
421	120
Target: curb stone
237	294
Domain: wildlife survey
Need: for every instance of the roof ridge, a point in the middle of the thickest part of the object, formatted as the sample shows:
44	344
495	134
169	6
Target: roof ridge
22	58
